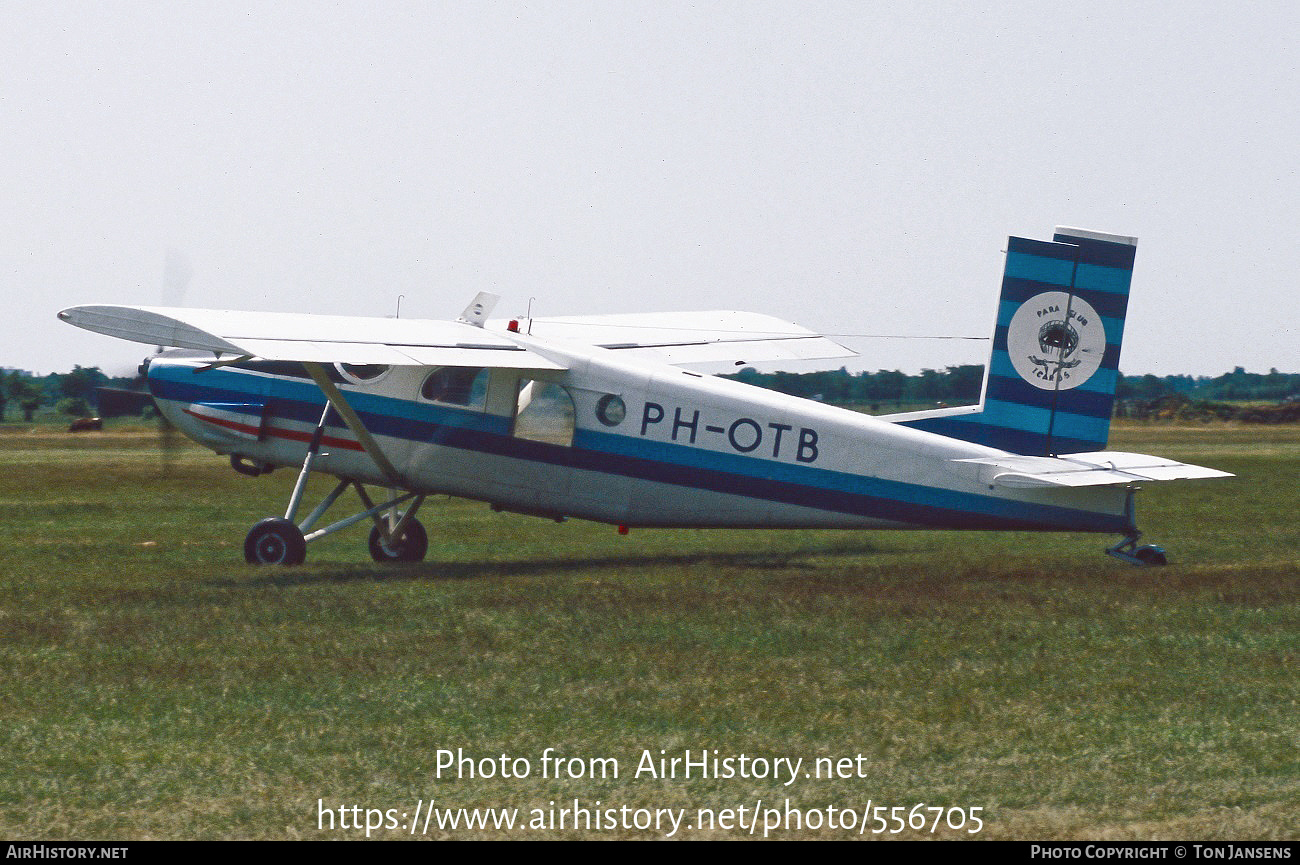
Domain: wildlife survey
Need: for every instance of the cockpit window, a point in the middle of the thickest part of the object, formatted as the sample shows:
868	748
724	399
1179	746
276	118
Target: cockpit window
464	386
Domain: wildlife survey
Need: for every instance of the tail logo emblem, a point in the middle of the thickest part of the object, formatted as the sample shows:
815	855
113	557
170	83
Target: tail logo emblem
1056	341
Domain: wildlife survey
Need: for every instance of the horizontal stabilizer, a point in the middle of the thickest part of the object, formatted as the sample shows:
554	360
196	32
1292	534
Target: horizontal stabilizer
310	338
1083	470
693	337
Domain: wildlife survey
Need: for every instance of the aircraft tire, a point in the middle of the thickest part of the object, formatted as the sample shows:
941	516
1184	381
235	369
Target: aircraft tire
410	547
1151	556
275	541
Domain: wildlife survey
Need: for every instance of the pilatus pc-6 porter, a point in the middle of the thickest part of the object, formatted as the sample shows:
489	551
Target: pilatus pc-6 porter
602	418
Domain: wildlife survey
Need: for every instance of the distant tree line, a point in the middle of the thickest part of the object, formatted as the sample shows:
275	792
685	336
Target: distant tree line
1251	397
1143	396
875	391
71	393
23	394
1238	385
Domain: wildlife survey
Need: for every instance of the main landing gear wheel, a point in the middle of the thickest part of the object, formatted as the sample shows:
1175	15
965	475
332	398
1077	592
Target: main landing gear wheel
410	547
275	541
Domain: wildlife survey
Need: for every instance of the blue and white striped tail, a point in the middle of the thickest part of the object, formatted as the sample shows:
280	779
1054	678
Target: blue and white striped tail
1050	384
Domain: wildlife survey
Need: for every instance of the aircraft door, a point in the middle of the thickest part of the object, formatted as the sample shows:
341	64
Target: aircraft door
602	489
542	430
544	413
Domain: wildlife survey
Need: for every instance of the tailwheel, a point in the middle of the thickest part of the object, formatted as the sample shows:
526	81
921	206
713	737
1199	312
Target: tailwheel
409	546
275	541
1145	556
1151	556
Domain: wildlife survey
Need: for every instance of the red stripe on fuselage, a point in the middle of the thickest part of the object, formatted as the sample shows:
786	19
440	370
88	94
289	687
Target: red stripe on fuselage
276	432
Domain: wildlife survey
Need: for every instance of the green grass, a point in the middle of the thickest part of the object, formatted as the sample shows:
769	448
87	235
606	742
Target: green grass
154	686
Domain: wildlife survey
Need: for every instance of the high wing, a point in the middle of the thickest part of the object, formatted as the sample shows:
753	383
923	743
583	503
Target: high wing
692	337
310	338
677	338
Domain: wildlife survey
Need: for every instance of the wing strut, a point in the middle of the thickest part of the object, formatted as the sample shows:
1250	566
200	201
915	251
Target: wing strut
364	438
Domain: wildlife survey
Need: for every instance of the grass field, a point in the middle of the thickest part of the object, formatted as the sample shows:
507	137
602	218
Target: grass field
154	686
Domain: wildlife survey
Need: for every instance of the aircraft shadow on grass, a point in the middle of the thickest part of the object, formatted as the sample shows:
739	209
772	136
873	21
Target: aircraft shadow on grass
463	570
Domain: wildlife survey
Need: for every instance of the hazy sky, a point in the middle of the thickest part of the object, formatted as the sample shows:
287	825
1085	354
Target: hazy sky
855	167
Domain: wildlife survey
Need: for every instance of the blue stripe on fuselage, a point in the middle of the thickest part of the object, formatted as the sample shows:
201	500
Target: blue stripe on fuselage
829	490
296	400
641	458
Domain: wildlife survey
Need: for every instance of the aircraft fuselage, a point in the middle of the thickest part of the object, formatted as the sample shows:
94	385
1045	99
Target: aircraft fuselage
618	440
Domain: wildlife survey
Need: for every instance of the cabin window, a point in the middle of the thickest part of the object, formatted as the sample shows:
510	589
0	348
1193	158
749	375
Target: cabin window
362	373
544	413
610	410
464	386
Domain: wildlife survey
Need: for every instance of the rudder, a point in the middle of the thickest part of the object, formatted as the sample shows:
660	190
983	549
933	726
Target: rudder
1051	379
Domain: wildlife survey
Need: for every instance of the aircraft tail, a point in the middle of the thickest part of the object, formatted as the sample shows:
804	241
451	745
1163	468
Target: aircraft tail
1050	383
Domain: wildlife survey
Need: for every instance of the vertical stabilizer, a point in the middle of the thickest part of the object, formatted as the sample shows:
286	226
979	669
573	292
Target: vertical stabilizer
1051	378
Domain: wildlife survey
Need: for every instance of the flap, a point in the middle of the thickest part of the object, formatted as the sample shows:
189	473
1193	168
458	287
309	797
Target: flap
692	337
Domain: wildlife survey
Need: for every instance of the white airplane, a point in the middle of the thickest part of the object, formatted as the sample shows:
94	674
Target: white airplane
598	417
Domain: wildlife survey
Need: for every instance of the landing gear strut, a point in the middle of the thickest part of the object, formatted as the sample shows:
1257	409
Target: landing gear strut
1128	550
396	537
